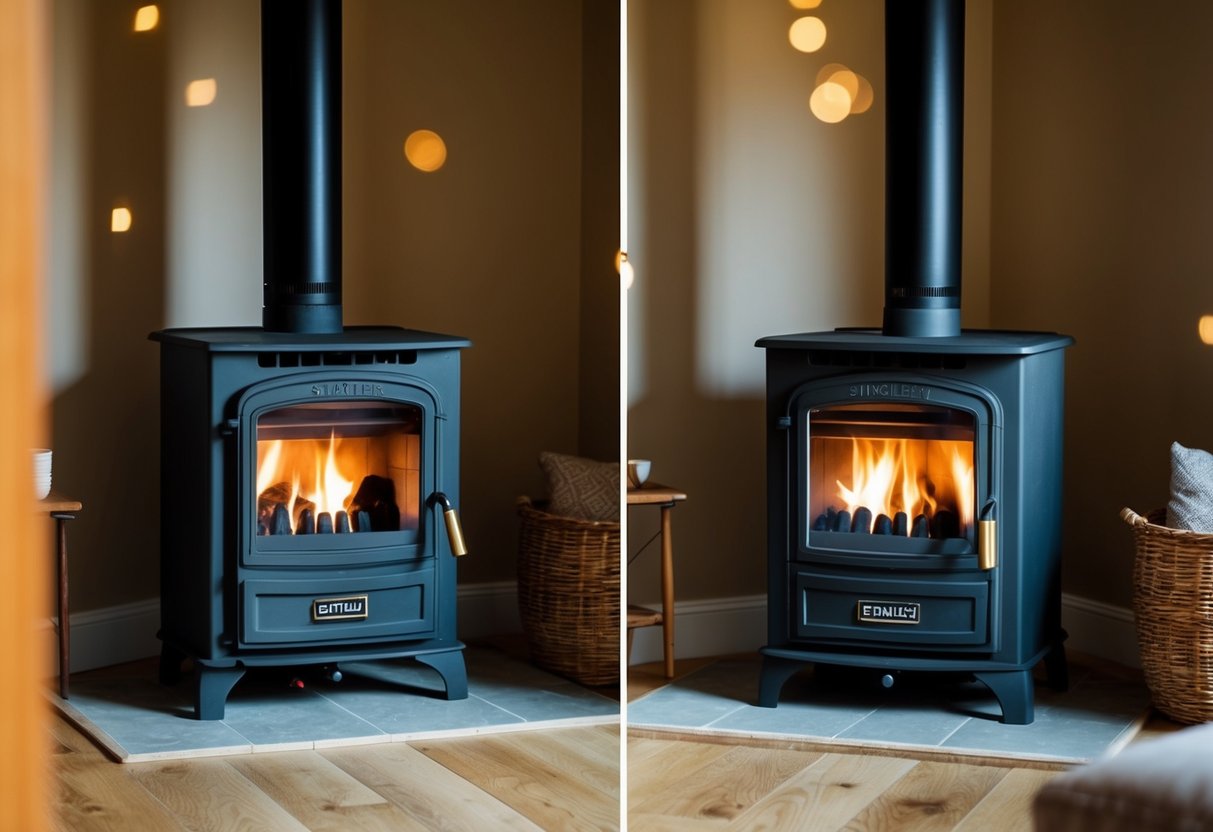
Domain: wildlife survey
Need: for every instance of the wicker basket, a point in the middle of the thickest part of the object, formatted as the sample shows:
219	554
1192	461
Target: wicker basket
1173	605
568	594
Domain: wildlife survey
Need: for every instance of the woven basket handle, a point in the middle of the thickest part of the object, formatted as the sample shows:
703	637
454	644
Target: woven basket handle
1132	517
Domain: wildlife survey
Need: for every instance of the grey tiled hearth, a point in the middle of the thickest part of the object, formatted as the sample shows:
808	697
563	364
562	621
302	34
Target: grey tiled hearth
136	719
933	714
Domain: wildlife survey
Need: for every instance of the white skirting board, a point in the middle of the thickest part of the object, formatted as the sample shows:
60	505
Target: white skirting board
710	627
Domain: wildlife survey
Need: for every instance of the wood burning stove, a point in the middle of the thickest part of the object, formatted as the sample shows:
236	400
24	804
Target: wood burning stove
914	472
308	470
913	493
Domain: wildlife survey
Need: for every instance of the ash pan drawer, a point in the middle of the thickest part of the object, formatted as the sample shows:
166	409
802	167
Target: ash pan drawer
919	613
275	612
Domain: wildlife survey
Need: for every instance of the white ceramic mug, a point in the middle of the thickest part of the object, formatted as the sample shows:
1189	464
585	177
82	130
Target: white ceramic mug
42	472
638	471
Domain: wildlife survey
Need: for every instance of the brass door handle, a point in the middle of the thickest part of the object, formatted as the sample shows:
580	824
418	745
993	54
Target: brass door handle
987	544
454	530
987	537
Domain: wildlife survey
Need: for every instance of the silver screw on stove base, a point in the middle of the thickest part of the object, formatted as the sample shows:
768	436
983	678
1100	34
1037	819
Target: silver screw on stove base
887	680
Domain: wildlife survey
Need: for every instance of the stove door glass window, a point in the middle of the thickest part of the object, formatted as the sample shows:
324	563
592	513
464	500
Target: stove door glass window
900	470
338	468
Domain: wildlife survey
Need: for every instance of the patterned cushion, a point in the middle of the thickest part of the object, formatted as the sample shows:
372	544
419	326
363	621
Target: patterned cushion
581	488
1191	505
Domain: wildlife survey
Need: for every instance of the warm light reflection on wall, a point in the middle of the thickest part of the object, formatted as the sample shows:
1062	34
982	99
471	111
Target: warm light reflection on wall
425	150
1206	329
805	4
626	274
146	18
200	93
120	220
808	34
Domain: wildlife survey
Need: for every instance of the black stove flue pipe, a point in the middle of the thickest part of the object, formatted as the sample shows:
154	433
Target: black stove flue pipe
924	101
301	159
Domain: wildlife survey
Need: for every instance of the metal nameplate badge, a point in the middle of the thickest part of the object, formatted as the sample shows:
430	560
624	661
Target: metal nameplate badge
350	608
889	612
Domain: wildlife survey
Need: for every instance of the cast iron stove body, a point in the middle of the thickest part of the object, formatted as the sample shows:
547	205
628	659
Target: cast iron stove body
914	472
261	567
976	587
305	466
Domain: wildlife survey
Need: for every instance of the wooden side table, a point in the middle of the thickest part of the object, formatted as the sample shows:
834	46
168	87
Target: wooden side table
652	494
61	509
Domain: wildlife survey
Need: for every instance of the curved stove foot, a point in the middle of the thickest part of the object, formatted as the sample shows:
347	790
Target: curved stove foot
451	668
1015	694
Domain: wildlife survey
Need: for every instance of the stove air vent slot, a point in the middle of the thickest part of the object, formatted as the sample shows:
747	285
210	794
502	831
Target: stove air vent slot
335	359
886	360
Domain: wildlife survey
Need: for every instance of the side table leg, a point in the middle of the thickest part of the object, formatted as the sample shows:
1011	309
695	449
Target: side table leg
667	589
65	659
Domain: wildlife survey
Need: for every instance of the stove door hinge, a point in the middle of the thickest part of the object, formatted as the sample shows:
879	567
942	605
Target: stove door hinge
228	427
783	422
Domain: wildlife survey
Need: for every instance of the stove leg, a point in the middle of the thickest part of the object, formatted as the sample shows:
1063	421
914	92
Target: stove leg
451	668
1014	692
775	671
213	684
1057	670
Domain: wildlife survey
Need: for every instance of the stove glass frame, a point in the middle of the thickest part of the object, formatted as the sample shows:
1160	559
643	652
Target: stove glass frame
974	405
334	549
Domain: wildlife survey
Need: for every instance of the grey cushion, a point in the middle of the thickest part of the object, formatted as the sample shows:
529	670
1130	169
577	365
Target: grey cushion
1191	505
1155	784
581	488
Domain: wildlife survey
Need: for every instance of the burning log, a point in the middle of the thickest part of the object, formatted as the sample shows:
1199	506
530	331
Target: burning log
343	523
324	523
307	523
920	528
901	524
279	494
862	522
280	521
945	524
884	525
842	522
376	497
362	521
821	524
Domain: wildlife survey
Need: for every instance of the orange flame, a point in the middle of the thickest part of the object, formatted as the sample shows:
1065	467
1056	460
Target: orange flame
310	467
914	476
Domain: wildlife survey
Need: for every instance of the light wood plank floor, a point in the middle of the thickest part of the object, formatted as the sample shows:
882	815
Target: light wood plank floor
552	779
677	782
562	779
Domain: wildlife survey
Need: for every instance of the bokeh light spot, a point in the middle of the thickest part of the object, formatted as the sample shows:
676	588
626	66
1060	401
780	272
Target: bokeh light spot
808	34
864	97
120	220
200	93
1206	329
830	102
146	18
425	150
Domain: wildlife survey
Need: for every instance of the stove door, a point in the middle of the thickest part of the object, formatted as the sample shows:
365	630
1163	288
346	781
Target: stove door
334	474
892	472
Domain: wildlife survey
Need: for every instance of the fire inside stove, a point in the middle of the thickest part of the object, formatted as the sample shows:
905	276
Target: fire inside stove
329	468
900	470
